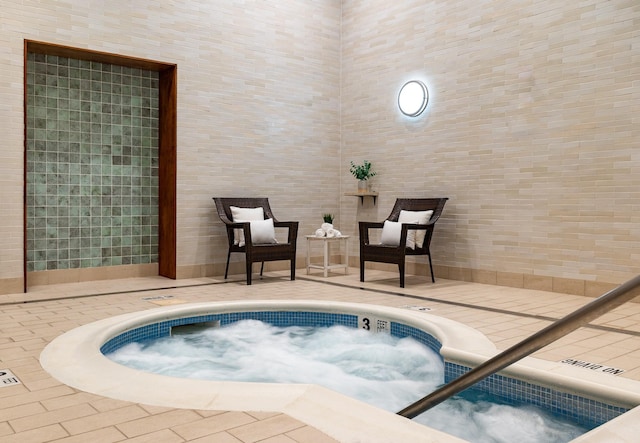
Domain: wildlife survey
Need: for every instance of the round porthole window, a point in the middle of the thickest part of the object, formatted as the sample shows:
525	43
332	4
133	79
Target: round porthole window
413	98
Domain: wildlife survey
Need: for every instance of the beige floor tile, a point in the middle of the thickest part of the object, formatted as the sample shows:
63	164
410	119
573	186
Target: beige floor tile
5	429
106	435
262	415
630	363
68	400
220	437
41	406
11	413
551	354
103	404
39	385
163	436
155	410
20	398
308	434
608	353
43	434
48	418
278	439
158	422
15	391
264	429
212	413
103	419
213	425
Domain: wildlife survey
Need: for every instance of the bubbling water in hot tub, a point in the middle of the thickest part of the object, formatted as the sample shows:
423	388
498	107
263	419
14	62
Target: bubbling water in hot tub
380	369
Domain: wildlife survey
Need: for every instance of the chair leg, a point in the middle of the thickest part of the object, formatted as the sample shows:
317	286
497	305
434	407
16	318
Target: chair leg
226	269
433	279
261	268
362	270
401	270
248	272
293	269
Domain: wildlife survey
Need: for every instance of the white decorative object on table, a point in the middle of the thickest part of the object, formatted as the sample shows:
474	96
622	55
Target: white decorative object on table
326	230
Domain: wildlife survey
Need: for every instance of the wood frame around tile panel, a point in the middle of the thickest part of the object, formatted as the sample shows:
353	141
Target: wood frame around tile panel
167	171
167	136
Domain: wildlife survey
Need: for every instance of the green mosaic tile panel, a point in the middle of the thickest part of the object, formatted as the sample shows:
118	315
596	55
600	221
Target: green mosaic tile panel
92	164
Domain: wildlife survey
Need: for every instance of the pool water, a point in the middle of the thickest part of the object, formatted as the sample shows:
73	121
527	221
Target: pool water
380	369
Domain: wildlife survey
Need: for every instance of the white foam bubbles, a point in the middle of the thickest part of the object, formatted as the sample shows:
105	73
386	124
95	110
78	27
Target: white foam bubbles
481	421
380	369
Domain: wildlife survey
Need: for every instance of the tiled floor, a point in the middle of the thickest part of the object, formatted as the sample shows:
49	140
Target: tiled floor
41	409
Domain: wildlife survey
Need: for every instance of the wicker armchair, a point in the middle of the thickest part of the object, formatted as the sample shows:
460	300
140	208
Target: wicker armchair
396	254
256	252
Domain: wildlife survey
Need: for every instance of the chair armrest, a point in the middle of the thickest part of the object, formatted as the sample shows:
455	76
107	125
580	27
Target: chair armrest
420	227
226	220
371	225
364	227
231	227
284	224
292	227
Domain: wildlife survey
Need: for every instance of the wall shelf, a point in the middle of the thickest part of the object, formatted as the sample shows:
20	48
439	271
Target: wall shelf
362	195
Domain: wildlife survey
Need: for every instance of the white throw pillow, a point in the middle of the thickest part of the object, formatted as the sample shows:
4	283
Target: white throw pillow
263	232
423	217
240	215
391	232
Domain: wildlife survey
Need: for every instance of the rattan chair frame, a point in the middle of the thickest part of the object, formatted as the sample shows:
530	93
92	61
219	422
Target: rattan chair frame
255	253
397	254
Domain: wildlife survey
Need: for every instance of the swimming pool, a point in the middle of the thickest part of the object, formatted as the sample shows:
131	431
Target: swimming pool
460	346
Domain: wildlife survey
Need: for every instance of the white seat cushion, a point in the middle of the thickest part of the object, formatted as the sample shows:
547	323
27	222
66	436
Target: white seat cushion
423	217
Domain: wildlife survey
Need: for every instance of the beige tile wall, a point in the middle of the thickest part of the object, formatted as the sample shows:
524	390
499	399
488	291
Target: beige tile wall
531	131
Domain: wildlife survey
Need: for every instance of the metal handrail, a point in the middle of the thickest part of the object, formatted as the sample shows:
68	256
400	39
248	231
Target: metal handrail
551	333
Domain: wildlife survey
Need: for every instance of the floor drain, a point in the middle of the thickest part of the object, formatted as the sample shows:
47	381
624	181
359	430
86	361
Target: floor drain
158	297
416	308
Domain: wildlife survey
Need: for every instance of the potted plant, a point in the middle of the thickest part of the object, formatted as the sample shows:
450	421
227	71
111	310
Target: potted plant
326	227
363	173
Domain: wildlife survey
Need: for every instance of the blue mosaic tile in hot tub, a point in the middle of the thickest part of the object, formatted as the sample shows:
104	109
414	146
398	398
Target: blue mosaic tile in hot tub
276	318
402	330
587	412
590	413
